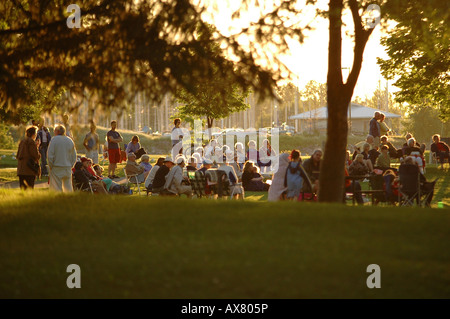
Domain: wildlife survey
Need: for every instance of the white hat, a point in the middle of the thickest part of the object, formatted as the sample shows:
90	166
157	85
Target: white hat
168	159
180	159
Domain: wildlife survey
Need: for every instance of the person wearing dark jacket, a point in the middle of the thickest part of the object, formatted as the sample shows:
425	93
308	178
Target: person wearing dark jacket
312	168
28	159
44	137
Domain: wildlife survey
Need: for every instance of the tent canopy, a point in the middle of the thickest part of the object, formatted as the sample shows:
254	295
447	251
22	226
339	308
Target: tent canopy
357	112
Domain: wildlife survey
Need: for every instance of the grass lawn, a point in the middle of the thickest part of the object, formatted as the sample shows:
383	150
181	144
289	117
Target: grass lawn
138	247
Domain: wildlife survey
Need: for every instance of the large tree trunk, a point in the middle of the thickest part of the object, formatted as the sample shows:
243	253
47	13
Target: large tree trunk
338	98
210	121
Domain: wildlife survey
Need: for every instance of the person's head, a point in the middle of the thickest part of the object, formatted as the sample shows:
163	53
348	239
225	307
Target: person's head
113	125
369	139
295	156
366	147
207	163
409	160
213	143
160	161
60	129
34	123
359	158
192	161
382	117
384	149
31	132
412	142
229	154
239	147
436	138
145	158
85	161
384	139
408	136
78	166
251	144
317	156
98	169
177	122
181	161
135	139
131	157
93	127
248	166
168	162
376	115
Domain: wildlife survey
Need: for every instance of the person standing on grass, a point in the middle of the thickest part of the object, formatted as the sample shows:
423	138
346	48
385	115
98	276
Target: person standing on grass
114	138
91	144
61	156
374	129
384	129
295	175
44	137
27	154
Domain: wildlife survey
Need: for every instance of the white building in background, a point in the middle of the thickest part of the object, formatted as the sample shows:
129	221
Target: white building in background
358	115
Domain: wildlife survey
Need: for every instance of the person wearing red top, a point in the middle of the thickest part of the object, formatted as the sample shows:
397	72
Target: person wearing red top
440	149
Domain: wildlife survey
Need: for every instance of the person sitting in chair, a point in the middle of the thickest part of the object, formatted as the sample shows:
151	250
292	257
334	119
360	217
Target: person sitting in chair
133	168
441	149
408	172
358	167
135	147
383	161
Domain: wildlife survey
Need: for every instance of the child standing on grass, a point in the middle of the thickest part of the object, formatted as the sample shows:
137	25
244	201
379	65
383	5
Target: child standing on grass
294	176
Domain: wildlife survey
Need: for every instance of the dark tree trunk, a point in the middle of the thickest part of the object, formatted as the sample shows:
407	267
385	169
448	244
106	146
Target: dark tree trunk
210	121
338	98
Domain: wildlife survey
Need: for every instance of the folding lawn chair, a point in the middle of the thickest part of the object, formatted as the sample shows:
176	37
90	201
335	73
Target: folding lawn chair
409	184
133	179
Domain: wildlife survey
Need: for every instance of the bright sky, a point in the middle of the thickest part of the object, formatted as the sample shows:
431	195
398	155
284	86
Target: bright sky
309	60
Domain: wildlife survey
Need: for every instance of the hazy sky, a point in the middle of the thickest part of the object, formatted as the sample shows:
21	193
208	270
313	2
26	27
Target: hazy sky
310	59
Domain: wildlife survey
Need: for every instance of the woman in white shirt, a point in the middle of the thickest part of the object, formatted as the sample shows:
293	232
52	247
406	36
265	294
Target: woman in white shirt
151	175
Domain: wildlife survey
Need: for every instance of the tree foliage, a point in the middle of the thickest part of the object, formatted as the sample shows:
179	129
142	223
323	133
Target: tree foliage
419	55
215	97
122	47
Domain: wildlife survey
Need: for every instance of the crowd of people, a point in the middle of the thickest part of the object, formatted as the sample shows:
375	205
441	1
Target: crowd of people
244	167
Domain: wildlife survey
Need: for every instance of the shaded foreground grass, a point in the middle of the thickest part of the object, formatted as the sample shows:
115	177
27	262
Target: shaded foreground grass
163	248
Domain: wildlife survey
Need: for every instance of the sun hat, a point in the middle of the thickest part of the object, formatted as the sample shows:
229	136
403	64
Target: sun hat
168	159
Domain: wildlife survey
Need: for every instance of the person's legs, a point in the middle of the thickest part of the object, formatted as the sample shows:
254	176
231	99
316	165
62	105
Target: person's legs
43	152
67	180
30	179
22	182
358	195
55	182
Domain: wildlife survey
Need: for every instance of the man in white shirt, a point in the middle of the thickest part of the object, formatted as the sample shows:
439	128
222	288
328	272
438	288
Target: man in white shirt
61	156
175	178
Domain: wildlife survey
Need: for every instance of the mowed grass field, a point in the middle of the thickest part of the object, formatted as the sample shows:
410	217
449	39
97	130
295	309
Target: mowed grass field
139	247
